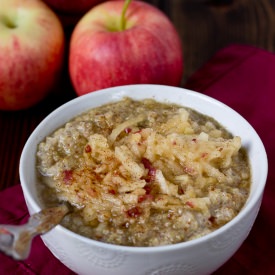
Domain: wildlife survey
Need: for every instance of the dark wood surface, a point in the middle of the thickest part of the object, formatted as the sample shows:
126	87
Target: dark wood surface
205	26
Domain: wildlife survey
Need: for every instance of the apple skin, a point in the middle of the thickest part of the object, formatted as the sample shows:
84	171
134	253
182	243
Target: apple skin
31	52
149	51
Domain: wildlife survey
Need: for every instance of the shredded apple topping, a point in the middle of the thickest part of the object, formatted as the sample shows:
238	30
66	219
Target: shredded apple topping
144	173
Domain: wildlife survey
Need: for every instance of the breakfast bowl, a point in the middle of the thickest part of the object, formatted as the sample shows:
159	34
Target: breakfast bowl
199	255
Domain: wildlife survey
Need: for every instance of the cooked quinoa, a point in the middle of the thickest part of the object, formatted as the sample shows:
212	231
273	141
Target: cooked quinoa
144	173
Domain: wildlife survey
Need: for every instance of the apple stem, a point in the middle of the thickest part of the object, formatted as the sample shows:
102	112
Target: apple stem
123	20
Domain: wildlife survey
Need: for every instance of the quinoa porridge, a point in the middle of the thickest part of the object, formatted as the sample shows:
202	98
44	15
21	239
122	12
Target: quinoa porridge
144	173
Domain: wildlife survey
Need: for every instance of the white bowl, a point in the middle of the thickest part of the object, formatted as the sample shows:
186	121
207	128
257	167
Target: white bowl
200	256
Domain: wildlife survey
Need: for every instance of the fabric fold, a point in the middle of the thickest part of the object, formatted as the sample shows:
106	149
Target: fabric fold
243	78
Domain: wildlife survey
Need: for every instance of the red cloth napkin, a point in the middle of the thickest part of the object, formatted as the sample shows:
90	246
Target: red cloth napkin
13	210
243	78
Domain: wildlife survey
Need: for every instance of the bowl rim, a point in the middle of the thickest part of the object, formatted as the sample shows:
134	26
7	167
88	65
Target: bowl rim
118	93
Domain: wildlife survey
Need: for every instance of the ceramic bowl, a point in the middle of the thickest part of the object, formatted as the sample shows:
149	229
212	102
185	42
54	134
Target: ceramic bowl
200	256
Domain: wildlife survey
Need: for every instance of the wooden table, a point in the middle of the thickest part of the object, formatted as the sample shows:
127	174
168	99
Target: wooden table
205	26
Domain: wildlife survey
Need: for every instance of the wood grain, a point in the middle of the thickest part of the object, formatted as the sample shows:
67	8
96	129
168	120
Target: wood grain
205	26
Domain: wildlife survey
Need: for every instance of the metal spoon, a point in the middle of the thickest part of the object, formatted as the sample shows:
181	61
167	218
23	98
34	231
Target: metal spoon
15	240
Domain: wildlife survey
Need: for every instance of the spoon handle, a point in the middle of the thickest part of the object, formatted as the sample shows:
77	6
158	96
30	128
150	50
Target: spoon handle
15	240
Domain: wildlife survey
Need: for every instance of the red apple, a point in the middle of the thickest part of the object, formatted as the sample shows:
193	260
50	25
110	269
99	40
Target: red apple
31	52
110	48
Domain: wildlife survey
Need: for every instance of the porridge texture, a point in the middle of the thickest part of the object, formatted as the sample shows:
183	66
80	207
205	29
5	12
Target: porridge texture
144	173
